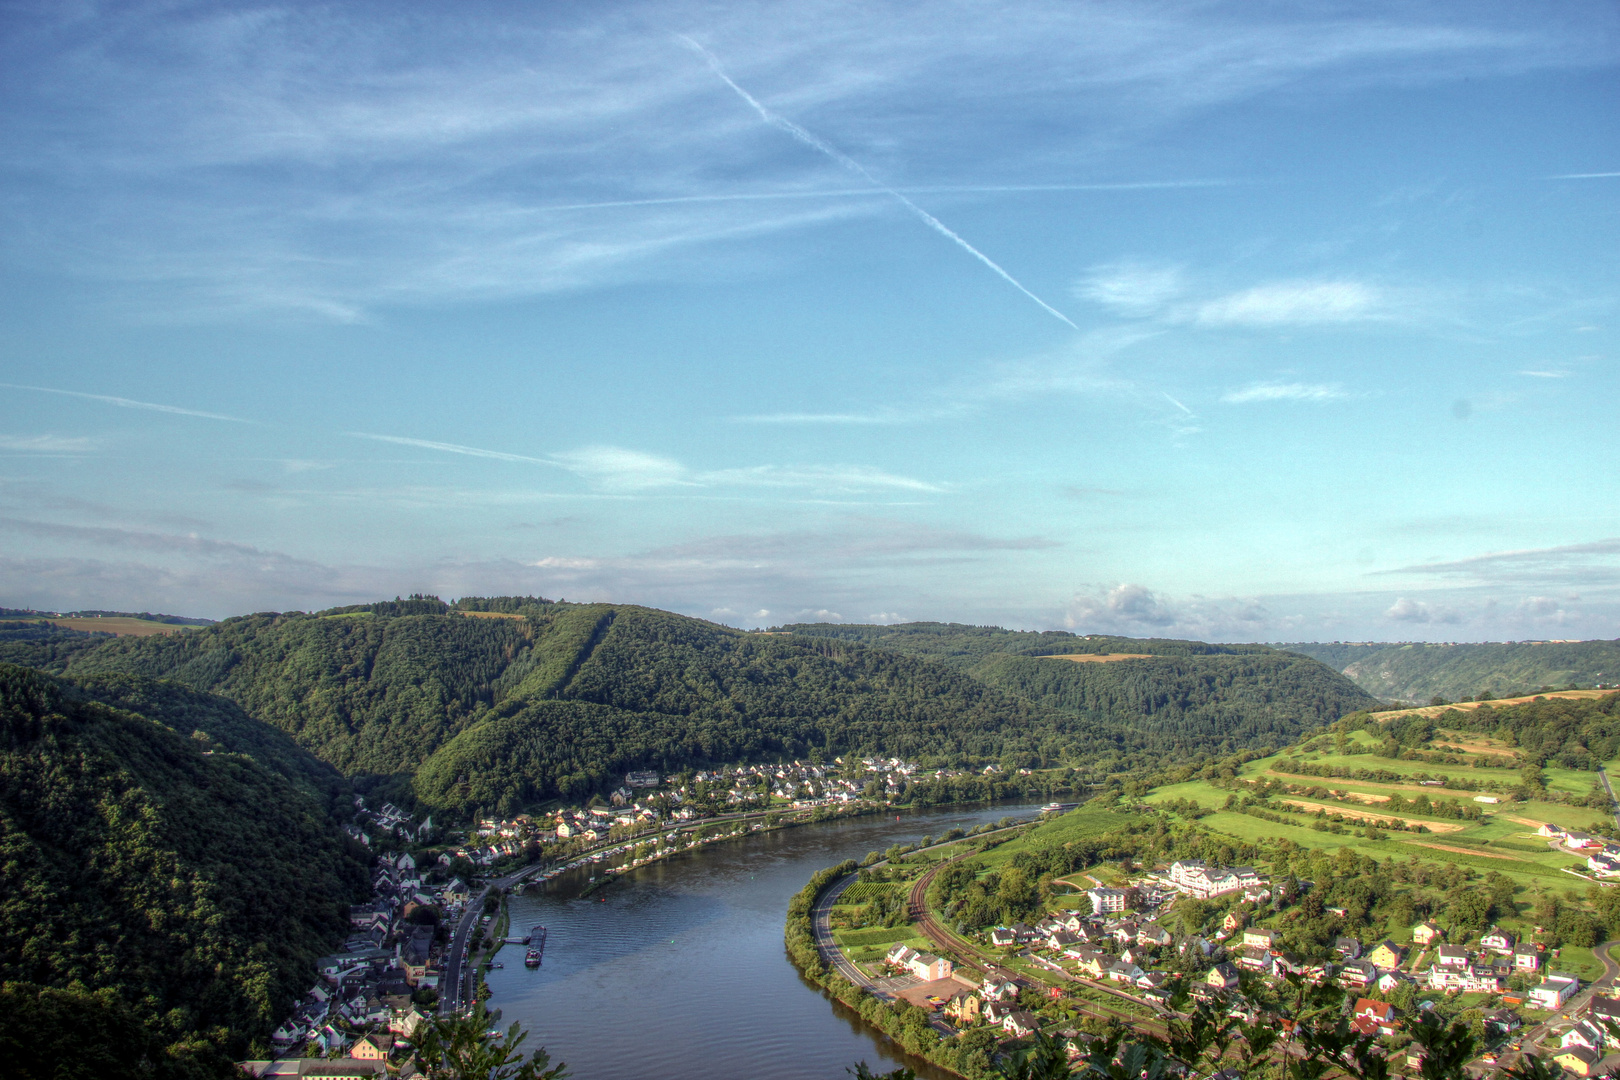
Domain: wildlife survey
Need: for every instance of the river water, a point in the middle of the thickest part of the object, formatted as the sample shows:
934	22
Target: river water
677	971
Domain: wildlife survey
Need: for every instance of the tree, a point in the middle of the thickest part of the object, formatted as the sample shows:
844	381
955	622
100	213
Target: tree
461	1048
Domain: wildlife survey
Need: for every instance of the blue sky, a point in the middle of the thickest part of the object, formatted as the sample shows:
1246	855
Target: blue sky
1240	321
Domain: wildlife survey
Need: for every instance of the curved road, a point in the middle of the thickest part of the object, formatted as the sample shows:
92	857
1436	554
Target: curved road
1531	1037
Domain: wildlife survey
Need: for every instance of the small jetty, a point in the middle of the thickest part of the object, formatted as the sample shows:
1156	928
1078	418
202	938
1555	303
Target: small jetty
536	941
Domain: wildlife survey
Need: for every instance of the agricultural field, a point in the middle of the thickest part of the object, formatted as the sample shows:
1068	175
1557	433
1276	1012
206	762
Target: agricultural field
123	627
1499	836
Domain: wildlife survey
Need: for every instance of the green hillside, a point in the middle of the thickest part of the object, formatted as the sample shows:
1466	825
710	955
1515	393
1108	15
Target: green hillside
1413	784
1418	672
505	701
192	885
579	693
1180	697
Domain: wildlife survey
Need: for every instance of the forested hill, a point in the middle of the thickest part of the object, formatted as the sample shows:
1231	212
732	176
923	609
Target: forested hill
496	709
1183	697
192	887
500	702
1418	672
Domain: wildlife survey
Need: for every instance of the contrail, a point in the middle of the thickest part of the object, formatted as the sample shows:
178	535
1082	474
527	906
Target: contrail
784	124
451	448
129	403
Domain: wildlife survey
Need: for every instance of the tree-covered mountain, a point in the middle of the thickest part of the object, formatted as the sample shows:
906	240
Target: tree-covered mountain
1178	697
499	702
1419	671
495	709
185	882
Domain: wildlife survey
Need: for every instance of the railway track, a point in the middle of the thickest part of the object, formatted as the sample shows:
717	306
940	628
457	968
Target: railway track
962	952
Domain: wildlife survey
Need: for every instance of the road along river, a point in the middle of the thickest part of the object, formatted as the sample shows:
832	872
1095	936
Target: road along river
677	970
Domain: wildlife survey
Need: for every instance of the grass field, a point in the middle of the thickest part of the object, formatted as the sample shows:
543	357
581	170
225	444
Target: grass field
1503	839
493	615
1097	658
120	626
1466	706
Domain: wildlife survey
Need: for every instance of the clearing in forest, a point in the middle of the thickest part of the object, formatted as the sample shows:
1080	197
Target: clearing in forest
1099	658
121	627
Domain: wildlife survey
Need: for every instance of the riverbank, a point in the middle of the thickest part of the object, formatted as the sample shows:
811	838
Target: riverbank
710	923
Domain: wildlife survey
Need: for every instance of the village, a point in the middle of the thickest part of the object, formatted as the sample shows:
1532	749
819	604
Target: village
1115	953
375	992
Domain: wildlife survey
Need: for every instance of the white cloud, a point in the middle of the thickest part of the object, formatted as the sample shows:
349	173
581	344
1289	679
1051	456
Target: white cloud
315	160
1416	611
1131	288
1271	391
614	468
47	444
848	479
1292	302
1135	610
1546	374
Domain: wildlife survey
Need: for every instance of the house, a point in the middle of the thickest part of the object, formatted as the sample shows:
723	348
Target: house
1578	1060
1258	960
1579	841
457	892
1551	831
1257	938
1498	940
1062	939
1235	920
1527	958
1356	974
1602	1009
1603	865
1389	981
1452	956
928	967
1002	937
405	1023
1585	1033
965	1007
1024	932
1020	1023
373	1047
1347	947
1427	933
1198	880
1106	901
1502	1021
1374	1017
1555	989
1152	934
1386	954
1005	990
1122	972
1222	977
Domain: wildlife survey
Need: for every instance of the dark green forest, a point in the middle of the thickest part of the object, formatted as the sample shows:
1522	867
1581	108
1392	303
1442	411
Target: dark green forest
499	702
1185	697
150	863
1418	671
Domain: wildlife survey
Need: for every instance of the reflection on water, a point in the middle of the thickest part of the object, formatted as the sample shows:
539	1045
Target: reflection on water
677	969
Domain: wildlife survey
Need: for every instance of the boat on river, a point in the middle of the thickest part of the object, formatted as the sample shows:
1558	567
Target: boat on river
537	947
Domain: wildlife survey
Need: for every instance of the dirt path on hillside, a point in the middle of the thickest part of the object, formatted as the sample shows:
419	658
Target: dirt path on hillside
1468	851
1335	783
1367	815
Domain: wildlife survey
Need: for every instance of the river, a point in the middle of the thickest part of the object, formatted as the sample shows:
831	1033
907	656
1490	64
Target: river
677	971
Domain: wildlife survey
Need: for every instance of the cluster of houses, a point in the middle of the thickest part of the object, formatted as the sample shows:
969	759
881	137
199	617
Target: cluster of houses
387	821
1582	1048
1602	853
368	986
